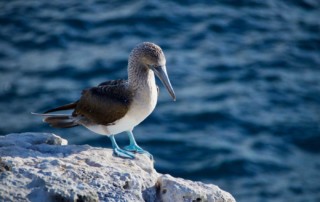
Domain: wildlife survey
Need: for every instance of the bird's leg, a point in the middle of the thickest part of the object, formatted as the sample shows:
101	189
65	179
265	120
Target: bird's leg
120	152
134	147
133	144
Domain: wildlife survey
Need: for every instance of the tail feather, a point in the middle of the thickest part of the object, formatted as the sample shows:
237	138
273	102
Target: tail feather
59	120
64	107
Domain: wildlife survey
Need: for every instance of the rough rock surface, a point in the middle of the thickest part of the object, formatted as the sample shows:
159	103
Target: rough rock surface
42	167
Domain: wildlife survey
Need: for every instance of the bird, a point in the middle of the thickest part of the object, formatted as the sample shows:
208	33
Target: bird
118	106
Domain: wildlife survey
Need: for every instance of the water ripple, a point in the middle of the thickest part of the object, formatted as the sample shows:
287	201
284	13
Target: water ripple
246	75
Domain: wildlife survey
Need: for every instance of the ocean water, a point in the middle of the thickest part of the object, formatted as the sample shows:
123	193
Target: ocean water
246	75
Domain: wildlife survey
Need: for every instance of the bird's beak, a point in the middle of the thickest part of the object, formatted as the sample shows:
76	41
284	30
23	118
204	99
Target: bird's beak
161	73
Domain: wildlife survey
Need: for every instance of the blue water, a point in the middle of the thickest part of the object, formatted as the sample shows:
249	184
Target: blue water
246	75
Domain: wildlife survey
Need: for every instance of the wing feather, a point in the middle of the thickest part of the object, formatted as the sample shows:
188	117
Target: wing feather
105	103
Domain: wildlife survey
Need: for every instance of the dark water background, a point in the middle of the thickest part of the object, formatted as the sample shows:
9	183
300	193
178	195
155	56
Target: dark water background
246	75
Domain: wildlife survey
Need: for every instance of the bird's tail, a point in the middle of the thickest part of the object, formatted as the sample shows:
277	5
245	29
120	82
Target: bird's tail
59	120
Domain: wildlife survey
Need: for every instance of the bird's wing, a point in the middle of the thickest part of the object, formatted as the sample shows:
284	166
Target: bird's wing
105	103
114	82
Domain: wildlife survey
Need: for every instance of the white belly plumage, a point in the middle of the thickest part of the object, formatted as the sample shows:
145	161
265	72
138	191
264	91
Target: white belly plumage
124	124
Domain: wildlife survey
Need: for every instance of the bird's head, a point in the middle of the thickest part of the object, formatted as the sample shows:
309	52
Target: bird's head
151	57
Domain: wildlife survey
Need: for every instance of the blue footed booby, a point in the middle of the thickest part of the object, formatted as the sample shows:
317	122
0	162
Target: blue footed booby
119	105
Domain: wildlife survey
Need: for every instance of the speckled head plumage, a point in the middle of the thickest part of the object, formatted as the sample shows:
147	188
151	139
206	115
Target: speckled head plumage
147	54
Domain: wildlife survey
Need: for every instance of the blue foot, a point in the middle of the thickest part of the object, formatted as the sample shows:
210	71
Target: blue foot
137	149
122	153
133	147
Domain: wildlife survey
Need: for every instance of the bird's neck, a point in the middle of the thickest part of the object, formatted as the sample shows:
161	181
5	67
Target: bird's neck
145	95
141	79
143	85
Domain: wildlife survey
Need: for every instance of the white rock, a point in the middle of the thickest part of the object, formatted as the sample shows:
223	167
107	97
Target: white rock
42	167
177	189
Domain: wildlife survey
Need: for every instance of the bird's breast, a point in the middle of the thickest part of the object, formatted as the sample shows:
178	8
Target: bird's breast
144	102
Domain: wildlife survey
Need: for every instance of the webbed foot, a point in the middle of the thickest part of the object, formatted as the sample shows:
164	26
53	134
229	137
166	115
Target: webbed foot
137	149
122	153
133	147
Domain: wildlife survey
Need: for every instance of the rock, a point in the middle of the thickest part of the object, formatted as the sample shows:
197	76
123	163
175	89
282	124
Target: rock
177	189
42	167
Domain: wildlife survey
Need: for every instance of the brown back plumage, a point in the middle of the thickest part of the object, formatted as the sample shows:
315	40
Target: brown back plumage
105	103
